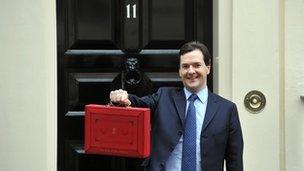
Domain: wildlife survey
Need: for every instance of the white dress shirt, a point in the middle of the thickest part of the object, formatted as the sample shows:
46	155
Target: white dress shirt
174	161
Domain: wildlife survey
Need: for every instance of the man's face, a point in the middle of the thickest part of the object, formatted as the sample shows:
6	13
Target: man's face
193	70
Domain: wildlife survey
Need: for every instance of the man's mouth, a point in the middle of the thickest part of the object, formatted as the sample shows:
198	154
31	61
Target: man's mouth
192	78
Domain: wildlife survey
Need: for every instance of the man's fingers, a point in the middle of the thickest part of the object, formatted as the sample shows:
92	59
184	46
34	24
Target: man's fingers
120	96
127	102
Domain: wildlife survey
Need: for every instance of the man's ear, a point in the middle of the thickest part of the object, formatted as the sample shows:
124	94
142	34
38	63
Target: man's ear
179	72
208	69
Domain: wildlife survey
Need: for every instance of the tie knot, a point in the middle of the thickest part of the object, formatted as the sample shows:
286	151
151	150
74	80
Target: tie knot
192	98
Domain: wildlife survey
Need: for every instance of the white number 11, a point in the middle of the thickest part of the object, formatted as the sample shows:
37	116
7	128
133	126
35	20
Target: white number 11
128	11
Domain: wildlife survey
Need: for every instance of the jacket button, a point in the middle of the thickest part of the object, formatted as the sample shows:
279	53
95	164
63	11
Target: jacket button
161	165
179	132
171	149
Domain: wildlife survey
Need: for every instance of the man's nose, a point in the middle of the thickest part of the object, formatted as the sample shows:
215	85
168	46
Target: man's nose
191	70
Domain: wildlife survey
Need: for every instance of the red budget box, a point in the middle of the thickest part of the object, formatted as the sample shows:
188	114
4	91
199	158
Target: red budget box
117	131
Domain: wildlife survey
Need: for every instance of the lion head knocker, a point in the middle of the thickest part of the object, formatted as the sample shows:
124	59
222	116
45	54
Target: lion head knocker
132	75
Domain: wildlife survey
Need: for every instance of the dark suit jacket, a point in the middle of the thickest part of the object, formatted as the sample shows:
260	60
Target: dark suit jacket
221	136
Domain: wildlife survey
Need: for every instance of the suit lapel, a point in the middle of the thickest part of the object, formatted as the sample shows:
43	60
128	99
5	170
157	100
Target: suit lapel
212	107
180	104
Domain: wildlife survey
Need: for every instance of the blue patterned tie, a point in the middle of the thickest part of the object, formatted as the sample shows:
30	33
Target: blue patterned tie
189	139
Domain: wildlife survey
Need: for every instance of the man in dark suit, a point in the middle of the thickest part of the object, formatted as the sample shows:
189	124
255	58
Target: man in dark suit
192	128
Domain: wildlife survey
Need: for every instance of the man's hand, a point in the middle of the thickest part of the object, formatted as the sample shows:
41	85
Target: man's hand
120	96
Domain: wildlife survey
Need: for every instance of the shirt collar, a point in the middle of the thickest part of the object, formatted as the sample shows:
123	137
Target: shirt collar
202	94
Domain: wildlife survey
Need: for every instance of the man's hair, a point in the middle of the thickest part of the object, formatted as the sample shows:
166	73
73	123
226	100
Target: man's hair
191	46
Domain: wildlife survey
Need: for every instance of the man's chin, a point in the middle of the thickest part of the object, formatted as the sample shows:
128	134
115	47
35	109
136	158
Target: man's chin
193	88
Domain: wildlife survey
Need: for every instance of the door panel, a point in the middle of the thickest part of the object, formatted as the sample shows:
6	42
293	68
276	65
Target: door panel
167	24
96	42
165	17
92	25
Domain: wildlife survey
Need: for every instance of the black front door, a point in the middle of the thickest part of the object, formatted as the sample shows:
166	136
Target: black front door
109	44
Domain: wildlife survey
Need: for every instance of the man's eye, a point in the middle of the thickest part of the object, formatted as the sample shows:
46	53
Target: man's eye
185	66
197	65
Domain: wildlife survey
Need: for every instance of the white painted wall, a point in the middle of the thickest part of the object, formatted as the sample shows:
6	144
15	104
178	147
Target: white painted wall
294	84
259	45
256	66
28	85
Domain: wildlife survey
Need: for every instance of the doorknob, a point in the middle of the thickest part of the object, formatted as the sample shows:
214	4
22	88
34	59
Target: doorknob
254	101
